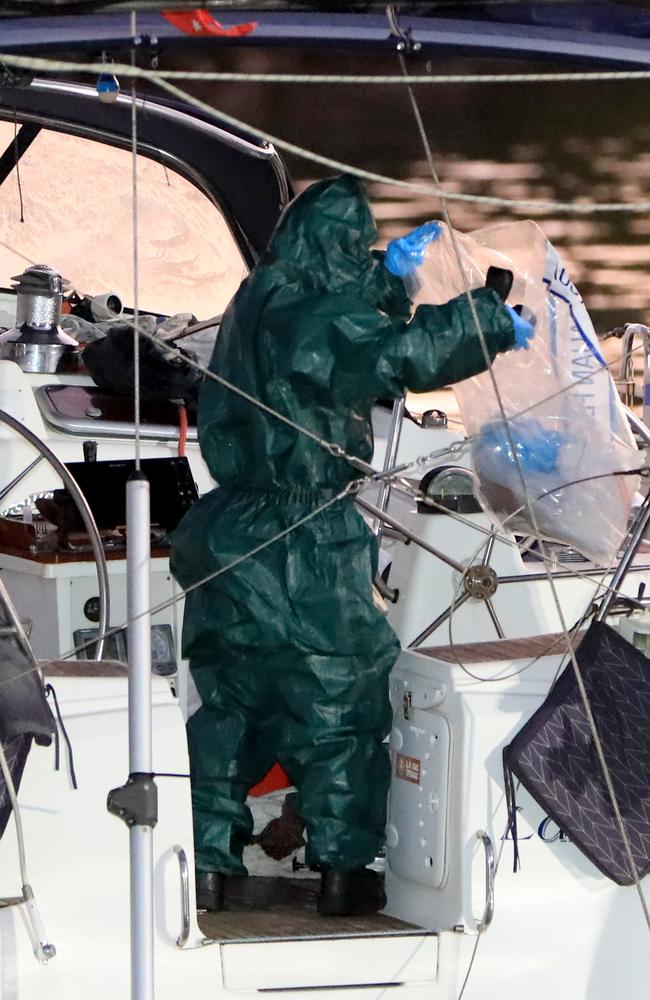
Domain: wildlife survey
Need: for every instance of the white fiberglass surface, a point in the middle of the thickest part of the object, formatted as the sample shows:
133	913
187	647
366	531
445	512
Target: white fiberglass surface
69	205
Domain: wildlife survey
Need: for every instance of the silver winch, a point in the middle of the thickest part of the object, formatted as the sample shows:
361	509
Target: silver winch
36	343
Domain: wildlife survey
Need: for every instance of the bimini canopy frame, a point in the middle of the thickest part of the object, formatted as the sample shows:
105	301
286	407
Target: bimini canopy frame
226	164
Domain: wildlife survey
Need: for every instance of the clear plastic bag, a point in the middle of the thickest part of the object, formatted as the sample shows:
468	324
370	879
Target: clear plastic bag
553	468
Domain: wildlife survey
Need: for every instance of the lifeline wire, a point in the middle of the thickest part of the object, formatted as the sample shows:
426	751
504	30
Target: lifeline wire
399	485
584	208
348	491
576	667
337	451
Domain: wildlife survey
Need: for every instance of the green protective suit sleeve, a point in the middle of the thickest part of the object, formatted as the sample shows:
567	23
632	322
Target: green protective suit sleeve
441	344
353	352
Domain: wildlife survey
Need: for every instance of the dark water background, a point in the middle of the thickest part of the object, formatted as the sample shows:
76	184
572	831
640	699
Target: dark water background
570	141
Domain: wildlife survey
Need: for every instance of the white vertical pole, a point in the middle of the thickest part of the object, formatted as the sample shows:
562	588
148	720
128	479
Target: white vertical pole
140	749
390	458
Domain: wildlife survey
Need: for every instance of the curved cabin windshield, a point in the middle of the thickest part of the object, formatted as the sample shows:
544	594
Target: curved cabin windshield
68	204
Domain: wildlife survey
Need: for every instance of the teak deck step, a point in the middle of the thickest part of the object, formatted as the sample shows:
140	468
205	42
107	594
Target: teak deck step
83	668
276	908
550	644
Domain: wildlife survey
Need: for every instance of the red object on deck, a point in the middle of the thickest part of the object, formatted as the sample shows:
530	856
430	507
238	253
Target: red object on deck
182	429
275	779
201	23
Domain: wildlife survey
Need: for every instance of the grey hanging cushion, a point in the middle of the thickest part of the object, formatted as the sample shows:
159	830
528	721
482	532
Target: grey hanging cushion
555	758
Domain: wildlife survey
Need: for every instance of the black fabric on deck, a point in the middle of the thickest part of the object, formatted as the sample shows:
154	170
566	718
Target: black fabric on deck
24	711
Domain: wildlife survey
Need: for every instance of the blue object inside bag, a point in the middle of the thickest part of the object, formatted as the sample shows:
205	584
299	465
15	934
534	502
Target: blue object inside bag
537	448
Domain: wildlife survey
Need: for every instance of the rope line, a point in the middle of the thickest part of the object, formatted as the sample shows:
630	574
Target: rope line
383	80
222	117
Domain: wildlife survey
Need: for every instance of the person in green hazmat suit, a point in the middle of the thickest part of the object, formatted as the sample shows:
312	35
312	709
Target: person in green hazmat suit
289	653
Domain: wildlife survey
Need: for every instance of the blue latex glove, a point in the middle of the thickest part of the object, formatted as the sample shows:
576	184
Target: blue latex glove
405	254
524	328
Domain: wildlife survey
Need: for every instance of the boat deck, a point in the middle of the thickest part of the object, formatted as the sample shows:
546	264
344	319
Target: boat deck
549	644
275	908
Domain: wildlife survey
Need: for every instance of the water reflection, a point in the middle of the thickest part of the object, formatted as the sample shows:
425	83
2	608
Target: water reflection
557	142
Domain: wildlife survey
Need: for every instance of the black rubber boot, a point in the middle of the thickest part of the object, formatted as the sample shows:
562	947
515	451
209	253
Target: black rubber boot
350	892
209	891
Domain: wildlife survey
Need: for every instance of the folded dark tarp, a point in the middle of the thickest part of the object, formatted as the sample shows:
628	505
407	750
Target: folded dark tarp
165	374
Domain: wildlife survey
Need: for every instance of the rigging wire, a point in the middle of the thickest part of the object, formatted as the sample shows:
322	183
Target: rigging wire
338	452
18	180
442	195
136	257
506	425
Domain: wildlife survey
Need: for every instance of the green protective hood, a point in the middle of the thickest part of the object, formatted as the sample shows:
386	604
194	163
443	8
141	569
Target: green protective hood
323	242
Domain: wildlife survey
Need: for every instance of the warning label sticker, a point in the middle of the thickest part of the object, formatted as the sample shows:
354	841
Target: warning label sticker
408	768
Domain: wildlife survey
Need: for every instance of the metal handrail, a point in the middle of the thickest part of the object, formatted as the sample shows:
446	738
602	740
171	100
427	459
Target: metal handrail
490	872
183	937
